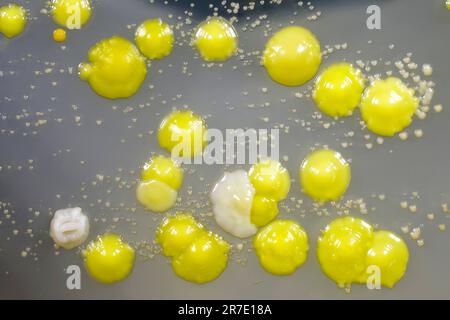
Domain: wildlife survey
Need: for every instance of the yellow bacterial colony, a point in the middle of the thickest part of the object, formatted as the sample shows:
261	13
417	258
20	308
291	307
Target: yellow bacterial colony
264	210
216	39
154	38
182	133
59	35
108	259
13	19
281	246
116	68
324	175
348	250
197	255
337	91
161	178
388	106
72	14
390	254
272	183
292	56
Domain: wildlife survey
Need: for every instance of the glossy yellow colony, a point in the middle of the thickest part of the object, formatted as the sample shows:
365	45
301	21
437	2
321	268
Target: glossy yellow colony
197	255
176	233
292	56
72	14
164	169
349	249
204	260
390	254
154	38
337	91
116	68
182	133
324	175
387	106
264	210
216	39
161	178
13	19
108	259
272	183
281	246
271	179
342	250
59	35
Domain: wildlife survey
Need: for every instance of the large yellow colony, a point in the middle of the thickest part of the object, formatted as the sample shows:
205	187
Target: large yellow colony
161	178
337	91
183	134
108	259
13	19
350	251
216	39
116	68
292	56
324	175
72	14
388	106
154	38
281	246
197	255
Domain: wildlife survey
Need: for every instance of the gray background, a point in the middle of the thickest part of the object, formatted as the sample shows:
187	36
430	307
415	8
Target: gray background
393	168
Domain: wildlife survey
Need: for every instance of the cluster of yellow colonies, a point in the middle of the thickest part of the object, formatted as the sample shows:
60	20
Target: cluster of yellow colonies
272	183
292	57
182	134
346	248
197	255
117	68
349	251
387	106
161	178
281	245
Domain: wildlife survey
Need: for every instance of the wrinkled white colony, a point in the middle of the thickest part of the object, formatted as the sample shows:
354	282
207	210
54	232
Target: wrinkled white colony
232	199
69	227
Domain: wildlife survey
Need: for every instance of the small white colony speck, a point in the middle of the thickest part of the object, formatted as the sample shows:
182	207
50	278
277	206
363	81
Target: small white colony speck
69	227
232	199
